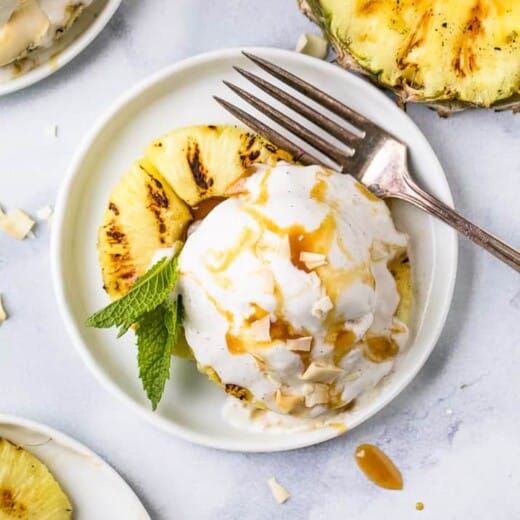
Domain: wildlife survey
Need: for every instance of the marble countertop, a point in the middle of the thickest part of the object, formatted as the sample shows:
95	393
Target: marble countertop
453	432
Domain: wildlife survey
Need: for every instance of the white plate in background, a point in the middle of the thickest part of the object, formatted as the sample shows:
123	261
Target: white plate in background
44	62
182	95
94	488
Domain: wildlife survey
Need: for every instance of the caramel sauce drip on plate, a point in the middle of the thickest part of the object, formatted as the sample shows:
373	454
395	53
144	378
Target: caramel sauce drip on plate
378	467
202	209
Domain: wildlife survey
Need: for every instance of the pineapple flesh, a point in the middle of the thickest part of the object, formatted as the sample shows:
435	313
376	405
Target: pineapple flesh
143	215
28	491
450	55
201	162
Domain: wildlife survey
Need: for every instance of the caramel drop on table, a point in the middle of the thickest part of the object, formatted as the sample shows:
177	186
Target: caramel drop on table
378	467
419	506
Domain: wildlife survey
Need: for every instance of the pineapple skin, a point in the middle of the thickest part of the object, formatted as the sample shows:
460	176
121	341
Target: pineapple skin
28	491
450	56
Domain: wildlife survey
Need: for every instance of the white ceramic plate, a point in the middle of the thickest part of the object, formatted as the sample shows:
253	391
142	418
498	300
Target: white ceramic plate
93	487
44	62
182	95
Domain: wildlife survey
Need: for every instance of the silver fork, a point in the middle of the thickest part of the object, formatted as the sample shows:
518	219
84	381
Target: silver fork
376	158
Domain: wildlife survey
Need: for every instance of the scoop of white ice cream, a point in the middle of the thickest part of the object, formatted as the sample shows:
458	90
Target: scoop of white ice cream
289	301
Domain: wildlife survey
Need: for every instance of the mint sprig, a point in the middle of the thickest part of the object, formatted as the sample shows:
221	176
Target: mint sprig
152	289
157	320
157	331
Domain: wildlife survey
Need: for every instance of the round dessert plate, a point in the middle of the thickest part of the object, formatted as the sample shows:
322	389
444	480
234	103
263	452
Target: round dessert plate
93	487
44	62
182	95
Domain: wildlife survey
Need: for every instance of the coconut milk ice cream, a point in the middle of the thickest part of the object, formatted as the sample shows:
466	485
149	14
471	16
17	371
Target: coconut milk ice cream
290	299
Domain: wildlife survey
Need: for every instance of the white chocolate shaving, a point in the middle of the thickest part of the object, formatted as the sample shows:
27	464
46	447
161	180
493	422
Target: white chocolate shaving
260	329
44	213
322	307
312	260
321	373
16	223
312	45
280	494
3	314
300	344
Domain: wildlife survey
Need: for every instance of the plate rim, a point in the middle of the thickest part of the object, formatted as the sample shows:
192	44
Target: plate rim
66	314
68	442
70	52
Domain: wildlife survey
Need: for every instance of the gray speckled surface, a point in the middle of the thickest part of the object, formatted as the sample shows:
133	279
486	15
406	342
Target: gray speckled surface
454	432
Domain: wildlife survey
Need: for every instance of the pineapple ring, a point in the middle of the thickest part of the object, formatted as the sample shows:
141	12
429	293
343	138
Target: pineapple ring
150	208
27	487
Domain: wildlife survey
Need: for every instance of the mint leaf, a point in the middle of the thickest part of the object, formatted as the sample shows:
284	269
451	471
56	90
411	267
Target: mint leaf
155	333
152	289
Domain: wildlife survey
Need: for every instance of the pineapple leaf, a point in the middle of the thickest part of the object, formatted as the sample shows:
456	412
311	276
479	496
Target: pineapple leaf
157	333
150	291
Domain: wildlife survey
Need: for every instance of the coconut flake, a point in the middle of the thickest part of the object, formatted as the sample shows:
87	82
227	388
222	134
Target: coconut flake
260	329
312	260
3	314
312	45
280	494
51	131
44	213
300	344
321	373
16	223
316	394
322	307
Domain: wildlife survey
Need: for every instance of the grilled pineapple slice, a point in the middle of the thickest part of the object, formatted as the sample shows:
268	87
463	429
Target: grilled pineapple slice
201	162
143	215
450	55
401	271
28	491
149	208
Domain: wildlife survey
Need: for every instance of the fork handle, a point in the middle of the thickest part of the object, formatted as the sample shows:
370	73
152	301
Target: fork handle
423	200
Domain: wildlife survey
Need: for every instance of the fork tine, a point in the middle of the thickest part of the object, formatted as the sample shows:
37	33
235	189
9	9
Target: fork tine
331	151
348	138
277	139
322	98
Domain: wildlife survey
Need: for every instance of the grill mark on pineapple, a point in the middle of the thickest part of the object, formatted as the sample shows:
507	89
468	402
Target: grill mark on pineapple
238	391
465	60
158	201
198	170
368	7
113	208
115	235
417	39
8	504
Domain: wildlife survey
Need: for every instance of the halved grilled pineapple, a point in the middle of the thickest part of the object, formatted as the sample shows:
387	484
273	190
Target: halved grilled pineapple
28	491
449	54
143	215
201	162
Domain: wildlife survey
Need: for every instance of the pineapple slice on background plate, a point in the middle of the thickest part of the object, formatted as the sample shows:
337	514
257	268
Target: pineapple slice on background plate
46	475
27	488
449	55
